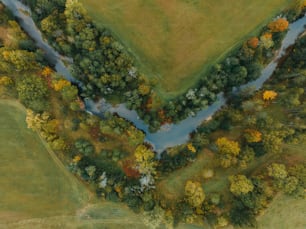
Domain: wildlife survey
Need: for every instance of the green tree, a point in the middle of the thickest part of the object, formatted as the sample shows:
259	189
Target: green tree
84	147
33	92
69	93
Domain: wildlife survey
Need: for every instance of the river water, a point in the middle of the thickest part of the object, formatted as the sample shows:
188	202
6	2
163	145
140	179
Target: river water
168	135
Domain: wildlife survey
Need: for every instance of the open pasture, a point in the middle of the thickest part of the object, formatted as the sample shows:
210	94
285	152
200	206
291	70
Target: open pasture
176	40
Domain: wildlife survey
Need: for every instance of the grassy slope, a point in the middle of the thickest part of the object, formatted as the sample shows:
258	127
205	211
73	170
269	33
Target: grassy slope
174	39
37	191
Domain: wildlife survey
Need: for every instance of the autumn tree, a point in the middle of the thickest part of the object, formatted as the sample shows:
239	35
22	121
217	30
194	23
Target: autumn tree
194	193
272	142
227	146
21	60
277	171
46	71
269	95
240	184
5	81
252	135
144	89
50	23
279	25
253	42
266	40
58	85
228	152
145	162
290	184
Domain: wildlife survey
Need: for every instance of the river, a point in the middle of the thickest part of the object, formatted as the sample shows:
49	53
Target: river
168	135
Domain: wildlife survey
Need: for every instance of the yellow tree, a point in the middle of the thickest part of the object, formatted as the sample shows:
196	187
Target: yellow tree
266	40
191	148
60	84
252	135
46	71
240	184
194	193
144	158
228	152
226	146
269	95
144	89
5	81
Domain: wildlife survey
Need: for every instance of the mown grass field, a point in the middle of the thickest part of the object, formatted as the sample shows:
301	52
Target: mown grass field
37	191
176	40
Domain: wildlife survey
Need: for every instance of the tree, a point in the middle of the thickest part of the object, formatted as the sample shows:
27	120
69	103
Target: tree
266	40
291	184
84	147
269	95
252	135
194	193
272	142
58	85
50	24
191	148
69	93
144	89
278	25
226	146
5	81
228	152
246	156
21	60
58	144
46	71
33	92
253	42
240	185
144	158
277	171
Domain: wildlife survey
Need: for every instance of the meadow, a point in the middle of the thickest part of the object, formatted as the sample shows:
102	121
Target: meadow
37	191
175	41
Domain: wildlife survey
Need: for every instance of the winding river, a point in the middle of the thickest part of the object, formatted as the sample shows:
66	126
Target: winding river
168	135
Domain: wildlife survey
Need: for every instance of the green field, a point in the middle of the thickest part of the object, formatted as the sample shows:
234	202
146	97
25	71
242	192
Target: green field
176	40
37	191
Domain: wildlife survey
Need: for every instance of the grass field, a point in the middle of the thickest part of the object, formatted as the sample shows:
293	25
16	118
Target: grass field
176	40
284	213
36	190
